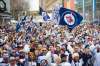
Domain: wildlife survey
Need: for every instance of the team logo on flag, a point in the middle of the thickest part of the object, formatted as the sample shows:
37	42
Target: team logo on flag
69	19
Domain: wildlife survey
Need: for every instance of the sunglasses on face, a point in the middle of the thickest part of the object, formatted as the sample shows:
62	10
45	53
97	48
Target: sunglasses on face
43	50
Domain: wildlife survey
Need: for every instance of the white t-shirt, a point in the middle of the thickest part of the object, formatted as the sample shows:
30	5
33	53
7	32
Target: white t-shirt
40	58
97	59
53	64
65	64
32	64
77	63
11	65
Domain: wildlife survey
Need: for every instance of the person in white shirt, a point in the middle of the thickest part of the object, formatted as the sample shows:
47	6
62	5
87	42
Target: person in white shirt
12	61
64	60
75	60
97	57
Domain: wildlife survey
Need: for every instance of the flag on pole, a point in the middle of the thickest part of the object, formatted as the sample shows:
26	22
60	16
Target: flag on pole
18	26
40	11
55	13
69	17
45	16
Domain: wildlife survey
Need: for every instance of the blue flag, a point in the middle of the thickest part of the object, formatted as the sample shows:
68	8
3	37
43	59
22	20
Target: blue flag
69	17
23	20
45	16
18	26
29	29
40	11
55	13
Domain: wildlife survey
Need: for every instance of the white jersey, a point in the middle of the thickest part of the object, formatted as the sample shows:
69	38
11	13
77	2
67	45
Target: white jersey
97	59
65	64
77	63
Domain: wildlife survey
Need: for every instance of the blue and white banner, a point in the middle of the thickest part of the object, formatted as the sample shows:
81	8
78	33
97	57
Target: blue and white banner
55	14
69	17
18	26
45	16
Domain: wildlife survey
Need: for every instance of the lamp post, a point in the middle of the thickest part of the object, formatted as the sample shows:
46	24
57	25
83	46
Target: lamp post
84	10
94	9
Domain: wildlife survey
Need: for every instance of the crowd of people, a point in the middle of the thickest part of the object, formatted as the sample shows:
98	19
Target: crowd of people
48	44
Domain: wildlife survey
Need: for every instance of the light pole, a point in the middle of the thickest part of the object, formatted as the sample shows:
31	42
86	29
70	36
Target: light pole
83	10
94	9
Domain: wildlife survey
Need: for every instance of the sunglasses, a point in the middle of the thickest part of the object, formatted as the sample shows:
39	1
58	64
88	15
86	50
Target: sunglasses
44	50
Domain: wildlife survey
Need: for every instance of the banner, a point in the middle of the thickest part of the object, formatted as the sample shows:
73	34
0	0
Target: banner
69	17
